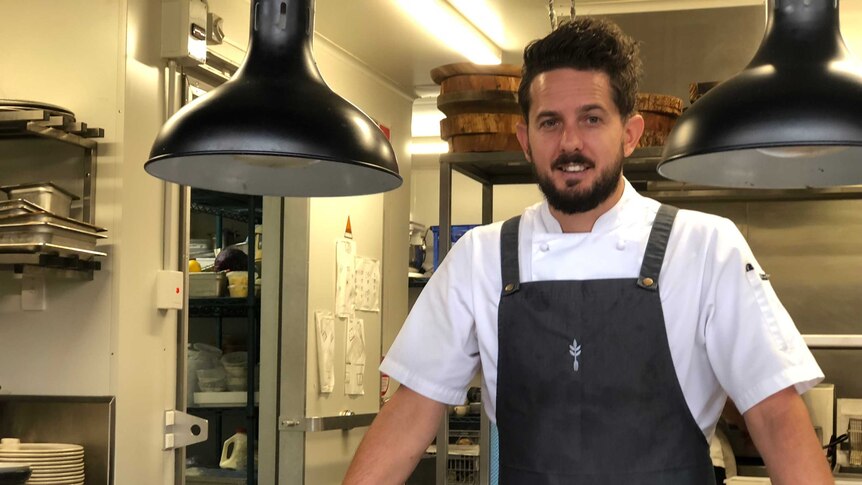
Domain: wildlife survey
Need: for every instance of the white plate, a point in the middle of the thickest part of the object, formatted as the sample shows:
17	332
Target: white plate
65	457
73	481
58	468
72	460
50	448
63	475
48	476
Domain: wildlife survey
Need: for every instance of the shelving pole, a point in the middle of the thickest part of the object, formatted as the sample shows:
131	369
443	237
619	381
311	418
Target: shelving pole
252	343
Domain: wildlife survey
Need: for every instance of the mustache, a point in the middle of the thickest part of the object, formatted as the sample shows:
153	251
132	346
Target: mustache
569	158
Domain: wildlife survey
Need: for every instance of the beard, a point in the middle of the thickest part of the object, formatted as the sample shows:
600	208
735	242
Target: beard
571	200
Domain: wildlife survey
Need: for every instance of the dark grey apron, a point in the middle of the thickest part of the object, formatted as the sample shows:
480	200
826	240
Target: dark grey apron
586	387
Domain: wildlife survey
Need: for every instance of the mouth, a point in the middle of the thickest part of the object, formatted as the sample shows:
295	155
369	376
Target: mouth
573	167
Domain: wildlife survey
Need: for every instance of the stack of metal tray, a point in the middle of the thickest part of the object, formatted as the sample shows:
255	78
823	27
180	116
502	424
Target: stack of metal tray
28	228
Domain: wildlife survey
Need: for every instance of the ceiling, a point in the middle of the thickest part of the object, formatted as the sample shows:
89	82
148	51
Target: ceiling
383	37
400	49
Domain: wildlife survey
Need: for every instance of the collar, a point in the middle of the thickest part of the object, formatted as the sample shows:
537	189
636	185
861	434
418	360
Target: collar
606	222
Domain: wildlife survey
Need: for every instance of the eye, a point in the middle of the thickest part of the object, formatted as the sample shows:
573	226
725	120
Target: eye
548	123
593	120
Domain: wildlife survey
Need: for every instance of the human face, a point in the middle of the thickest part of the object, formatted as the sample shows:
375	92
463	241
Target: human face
576	139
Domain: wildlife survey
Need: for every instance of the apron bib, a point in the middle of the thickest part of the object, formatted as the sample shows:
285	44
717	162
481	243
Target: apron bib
586	388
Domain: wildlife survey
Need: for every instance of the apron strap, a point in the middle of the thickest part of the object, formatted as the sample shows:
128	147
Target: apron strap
656	246
509	256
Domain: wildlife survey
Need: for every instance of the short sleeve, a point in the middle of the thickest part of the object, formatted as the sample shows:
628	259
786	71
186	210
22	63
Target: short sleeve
753	345
436	353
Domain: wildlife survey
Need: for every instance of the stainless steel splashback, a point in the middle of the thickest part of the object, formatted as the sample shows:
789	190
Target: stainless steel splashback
87	421
812	250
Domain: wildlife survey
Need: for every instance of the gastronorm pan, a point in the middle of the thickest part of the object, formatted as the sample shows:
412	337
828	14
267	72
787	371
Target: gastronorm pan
47	248
19	206
45	194
48	233
48	217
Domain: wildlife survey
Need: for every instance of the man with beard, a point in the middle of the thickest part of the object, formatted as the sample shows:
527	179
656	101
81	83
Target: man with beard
610	329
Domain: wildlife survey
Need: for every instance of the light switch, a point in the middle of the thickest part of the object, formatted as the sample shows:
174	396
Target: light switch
169	290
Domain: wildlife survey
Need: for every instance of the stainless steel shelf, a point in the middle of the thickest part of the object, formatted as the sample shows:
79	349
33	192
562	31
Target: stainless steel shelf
32	121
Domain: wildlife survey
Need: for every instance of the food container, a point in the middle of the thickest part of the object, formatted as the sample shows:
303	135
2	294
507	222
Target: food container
42	232
237	383
237	278
206	284
237	291
44	194
211	380
235	363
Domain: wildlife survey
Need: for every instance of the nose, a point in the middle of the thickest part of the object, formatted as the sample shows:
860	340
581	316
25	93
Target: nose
571	140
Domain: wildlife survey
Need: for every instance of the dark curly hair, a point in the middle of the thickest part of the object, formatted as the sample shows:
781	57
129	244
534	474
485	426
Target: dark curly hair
586	44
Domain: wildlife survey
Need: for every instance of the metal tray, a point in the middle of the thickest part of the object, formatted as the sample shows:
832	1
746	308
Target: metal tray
46	194
33	247
19	206
50	218
48	233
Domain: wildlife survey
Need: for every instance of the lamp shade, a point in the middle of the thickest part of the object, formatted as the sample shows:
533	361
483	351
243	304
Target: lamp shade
791	119
275	128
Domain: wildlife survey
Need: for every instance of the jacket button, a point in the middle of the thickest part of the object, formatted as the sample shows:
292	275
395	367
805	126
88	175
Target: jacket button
648	281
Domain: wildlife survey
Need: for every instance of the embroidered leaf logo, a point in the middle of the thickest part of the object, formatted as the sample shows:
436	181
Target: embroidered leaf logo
575	351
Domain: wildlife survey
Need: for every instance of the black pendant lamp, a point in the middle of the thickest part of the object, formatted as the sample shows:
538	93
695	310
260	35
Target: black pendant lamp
791	119
275	128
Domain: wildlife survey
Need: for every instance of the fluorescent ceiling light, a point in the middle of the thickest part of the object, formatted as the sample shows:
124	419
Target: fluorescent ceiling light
428	146
483	16
441	20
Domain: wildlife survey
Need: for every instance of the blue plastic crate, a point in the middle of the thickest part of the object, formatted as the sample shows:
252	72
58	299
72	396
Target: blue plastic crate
456	232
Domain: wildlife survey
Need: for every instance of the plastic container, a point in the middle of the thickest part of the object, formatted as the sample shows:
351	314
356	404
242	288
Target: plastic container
237	383
237	278
211	380
235	363
237	291
456	232
234	453
200	356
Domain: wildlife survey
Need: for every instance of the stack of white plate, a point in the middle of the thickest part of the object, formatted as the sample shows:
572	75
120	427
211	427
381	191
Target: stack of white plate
52	463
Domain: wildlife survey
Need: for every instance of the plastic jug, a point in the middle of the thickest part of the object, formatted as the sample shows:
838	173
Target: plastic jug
234	453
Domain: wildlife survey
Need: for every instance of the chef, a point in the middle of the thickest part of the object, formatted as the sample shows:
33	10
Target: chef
609	328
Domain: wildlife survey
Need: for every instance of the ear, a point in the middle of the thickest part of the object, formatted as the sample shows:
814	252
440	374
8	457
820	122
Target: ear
632	131
522	131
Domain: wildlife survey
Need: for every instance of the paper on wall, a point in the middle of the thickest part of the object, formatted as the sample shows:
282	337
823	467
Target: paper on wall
368	284
354	371
325	325
345	278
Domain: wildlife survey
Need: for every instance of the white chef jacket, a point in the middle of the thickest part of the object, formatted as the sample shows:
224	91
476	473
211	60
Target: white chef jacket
728	333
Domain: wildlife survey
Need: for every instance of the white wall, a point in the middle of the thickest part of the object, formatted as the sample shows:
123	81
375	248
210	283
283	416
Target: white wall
380	226
509	200
99	58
